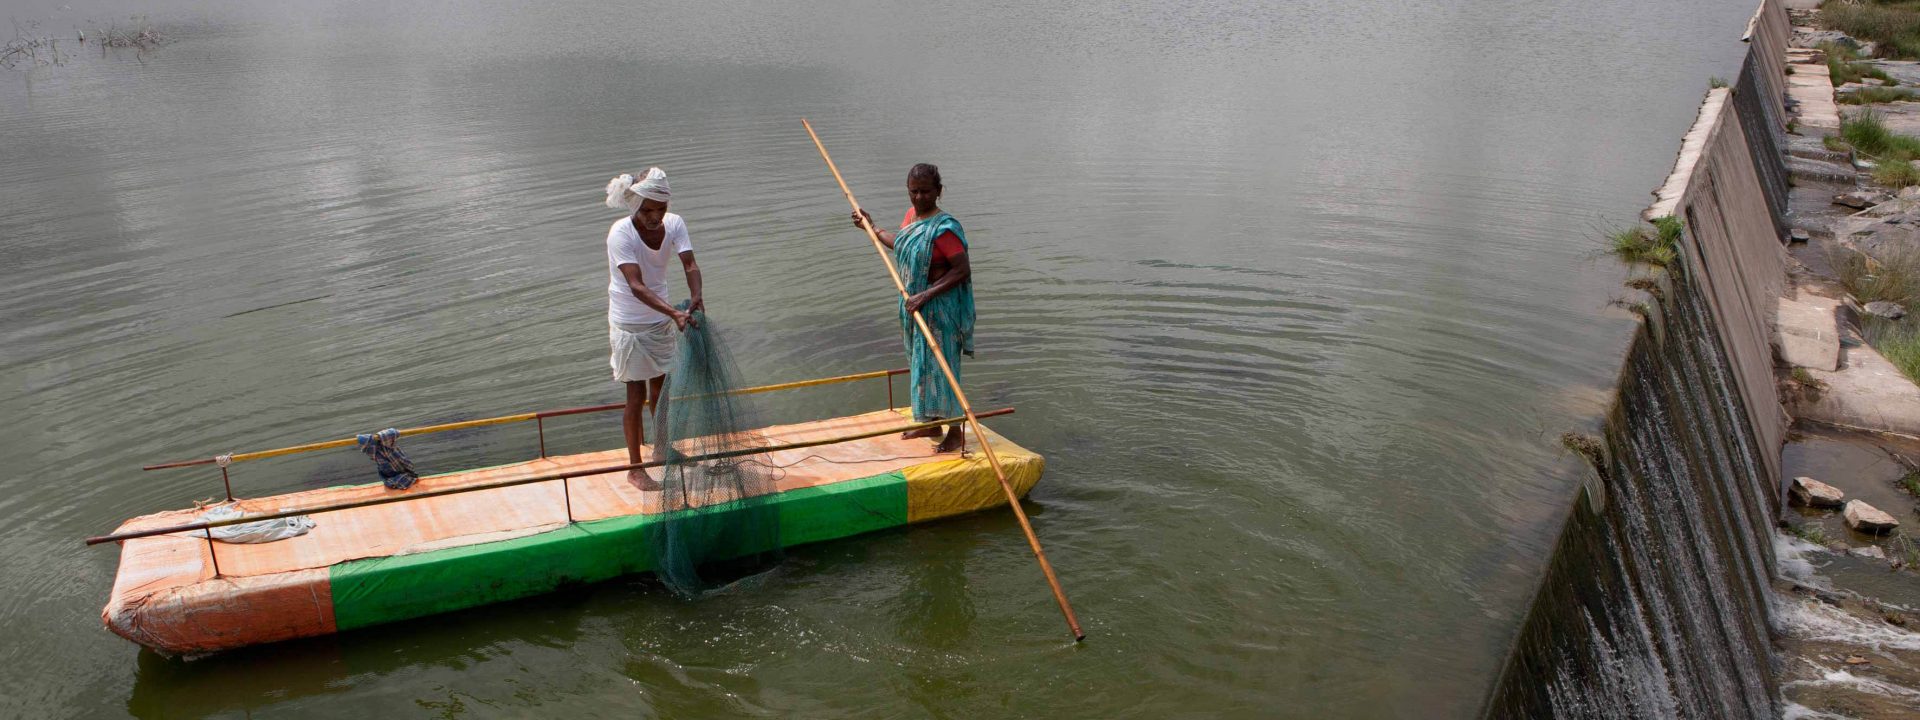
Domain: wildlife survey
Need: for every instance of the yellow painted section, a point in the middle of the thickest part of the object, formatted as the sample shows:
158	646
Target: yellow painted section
964	485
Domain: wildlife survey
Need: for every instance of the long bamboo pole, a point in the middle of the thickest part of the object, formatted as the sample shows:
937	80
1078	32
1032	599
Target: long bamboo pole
973	421
584	472
504	419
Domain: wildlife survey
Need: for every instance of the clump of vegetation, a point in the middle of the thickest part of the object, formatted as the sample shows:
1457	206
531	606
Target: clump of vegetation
1895	27
1834	143
1870	95
1810	532
1899	343
1810	385
1843	69
1911	482
1716	82
1893	276
1896	174
1902	548
1659	248
1867	134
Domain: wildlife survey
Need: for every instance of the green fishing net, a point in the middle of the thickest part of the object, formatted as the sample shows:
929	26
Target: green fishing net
718	524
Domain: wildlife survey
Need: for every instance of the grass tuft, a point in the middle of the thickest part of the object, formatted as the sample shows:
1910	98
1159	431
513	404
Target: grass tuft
1835	143
1867	134
1866	96
1810	532
1843	69
1896	174
1636	246
1899	343
1891	276
1911	482
1716	82
1809	385
1903	548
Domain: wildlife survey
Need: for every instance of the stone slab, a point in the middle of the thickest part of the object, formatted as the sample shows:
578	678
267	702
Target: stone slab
1806	333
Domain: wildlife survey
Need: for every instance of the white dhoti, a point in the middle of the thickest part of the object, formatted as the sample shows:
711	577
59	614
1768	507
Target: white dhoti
641	352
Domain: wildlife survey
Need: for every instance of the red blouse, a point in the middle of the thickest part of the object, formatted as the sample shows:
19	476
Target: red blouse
945	248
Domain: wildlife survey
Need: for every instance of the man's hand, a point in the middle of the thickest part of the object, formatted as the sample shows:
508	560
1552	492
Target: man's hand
683	320
699	303
914	303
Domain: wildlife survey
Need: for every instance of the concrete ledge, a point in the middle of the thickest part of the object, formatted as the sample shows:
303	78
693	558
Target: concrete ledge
1810	88
1867	393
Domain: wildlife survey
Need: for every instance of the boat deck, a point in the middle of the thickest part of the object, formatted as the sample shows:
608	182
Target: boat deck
167	594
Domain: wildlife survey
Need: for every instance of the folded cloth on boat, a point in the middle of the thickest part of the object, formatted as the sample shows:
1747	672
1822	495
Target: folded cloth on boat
395	469
261	531
641	352
626	192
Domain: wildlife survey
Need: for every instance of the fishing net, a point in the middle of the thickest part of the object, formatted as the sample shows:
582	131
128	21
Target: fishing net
717	523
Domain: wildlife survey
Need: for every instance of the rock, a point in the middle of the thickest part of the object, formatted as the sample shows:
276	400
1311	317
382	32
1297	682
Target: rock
1805	38
1870	551
1838	547
1798	235
1885	309
1851	87
1861	199
1815	494
1868	519
1910	192
1857	660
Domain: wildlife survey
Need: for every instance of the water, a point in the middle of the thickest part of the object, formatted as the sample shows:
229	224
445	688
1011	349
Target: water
1295	298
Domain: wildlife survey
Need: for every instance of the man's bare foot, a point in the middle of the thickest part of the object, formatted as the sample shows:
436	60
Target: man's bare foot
922	432
641	481
956	440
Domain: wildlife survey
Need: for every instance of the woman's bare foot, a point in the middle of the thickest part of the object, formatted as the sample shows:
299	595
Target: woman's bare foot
955	441
922	432
641	481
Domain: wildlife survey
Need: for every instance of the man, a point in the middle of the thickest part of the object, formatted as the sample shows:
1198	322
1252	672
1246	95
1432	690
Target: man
641	318
930	249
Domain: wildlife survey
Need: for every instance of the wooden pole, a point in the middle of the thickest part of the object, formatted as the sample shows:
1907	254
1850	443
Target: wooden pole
404	496
973	421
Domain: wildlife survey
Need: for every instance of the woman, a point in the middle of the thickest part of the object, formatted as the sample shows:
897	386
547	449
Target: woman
930	251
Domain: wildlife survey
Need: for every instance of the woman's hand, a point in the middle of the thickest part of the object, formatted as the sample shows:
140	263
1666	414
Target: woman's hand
859	215
916	302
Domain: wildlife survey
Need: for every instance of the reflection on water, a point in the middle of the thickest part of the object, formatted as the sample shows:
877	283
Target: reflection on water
1291	296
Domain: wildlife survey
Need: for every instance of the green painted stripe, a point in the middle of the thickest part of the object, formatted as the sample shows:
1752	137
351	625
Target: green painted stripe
378	590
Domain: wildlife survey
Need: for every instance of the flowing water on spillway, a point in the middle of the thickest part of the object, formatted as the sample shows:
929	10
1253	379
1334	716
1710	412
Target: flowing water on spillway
1295	298
1656	599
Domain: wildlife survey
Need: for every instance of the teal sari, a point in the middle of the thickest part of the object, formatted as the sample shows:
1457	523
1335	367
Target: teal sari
949	314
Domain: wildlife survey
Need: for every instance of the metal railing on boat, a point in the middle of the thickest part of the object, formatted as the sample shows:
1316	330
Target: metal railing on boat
539	419
404	496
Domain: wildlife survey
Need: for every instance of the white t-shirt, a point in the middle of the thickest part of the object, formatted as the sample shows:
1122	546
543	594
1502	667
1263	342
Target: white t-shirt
624	247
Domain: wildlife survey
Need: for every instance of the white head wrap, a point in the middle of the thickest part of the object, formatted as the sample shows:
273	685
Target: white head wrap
624	193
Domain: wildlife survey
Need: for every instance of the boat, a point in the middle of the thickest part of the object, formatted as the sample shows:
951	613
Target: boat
464	539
